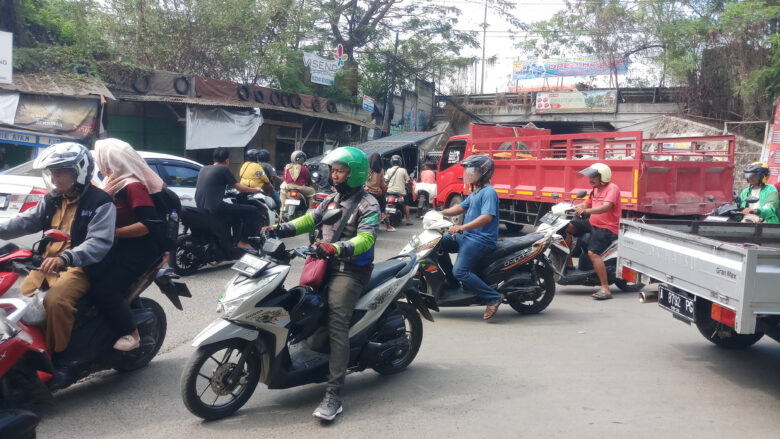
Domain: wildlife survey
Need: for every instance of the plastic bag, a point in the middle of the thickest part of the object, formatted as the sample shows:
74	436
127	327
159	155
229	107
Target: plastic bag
35	313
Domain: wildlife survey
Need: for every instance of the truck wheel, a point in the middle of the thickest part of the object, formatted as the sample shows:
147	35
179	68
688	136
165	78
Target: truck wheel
454	201
720	334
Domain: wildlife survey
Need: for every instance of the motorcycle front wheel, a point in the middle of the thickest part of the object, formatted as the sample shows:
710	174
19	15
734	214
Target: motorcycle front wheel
205	388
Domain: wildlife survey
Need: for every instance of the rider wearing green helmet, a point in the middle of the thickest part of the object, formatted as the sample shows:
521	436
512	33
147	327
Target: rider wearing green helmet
350	258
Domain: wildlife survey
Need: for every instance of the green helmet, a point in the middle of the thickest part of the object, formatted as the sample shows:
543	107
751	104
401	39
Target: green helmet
354	159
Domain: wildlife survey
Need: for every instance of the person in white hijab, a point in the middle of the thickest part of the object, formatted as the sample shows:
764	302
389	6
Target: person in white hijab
130	181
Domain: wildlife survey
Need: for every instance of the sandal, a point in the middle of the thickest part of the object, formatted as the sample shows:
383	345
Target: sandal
601	295
491	310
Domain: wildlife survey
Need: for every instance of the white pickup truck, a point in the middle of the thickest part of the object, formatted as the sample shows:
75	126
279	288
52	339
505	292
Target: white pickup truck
722	277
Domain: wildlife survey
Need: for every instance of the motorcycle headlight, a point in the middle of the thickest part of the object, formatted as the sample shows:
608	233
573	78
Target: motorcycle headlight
230	300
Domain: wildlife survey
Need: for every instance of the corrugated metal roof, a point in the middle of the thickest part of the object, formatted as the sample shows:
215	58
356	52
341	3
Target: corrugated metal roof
58	85
388	145
132	97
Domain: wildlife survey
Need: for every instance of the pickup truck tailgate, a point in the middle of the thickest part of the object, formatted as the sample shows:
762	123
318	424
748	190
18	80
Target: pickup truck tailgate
742	277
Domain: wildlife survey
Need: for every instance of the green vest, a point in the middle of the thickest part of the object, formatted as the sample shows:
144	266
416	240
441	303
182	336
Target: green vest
768	203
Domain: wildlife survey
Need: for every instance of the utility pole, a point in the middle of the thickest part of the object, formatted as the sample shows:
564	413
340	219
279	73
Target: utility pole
484	37
390	87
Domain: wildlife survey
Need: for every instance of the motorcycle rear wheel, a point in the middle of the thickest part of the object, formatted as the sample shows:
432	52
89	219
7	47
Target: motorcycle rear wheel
206	371
184	261
414	333
546	280
159	331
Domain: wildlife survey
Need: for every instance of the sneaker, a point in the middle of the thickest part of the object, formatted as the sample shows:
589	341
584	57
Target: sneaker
127	343
390	229
330	406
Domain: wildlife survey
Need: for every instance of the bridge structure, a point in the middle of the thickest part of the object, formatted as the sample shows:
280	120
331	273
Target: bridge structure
637	109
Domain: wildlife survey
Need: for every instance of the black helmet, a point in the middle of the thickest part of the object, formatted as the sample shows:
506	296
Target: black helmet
251	154
395	160
263	155
757	168
483	164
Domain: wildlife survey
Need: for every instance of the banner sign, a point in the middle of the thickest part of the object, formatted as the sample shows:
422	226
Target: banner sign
6	57
30	139
323	71
368	103
577	66
57	115
771	151
599	101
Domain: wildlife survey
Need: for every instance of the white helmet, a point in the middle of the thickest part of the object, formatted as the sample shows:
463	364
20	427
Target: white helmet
69	155
600	169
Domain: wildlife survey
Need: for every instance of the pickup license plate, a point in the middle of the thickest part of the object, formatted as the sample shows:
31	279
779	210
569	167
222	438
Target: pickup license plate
293	202
390	209
681	305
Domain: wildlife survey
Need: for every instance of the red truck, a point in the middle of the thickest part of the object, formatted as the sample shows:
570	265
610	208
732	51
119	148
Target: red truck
658	178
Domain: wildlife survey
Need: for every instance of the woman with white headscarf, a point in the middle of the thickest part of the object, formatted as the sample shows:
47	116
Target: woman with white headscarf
130	181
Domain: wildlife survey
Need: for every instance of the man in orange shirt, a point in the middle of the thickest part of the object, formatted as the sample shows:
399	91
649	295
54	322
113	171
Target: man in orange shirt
603	206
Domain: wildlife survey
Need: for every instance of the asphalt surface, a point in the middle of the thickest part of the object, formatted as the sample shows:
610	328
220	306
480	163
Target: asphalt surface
582	368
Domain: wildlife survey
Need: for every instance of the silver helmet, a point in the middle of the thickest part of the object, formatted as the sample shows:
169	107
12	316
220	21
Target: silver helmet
69	155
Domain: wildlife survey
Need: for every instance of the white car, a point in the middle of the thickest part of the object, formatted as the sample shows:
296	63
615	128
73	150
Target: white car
22	187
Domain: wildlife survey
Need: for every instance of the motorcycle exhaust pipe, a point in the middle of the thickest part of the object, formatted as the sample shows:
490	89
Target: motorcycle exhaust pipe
648	296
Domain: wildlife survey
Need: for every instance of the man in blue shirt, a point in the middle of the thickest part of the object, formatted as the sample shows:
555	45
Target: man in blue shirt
479	233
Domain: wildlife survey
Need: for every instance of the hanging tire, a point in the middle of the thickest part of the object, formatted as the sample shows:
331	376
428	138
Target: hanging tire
545	278
718	333
157	334
315	104
414	333
141	85
628	287
455	201
184	261
181	85
259	97
275	98
295	101
331	107
243	93
205	377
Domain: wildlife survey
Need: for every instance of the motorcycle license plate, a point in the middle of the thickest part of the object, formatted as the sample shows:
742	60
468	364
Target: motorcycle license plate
390	209
681	305
293	202
249	265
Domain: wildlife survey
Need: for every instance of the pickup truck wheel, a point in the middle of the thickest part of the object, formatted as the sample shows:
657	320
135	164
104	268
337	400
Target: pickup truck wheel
720	334
455	201
628	287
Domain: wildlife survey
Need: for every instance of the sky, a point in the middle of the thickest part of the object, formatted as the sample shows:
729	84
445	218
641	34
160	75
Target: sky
498	40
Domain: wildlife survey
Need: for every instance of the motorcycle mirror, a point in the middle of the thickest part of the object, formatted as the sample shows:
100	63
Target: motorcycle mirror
331	217
556	195
581	194
711	198
56	235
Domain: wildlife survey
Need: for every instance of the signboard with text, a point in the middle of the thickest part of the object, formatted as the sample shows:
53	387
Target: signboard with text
368	103
6	57
323	70
773	145
598	101
575	66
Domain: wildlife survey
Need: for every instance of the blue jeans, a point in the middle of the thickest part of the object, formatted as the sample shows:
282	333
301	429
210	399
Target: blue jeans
469	254
277	200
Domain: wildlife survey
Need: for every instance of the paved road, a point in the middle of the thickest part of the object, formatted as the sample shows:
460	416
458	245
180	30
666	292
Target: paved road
582	368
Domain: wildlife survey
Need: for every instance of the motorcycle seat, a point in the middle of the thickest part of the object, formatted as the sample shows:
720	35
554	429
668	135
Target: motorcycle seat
200	219
383	271
511	245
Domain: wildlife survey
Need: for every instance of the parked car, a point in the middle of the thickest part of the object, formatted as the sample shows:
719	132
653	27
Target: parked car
22	187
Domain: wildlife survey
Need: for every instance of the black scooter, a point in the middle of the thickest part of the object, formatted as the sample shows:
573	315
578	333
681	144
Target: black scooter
517	268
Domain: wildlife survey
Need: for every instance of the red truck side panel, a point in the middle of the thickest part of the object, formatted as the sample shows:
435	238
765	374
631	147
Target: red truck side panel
656	176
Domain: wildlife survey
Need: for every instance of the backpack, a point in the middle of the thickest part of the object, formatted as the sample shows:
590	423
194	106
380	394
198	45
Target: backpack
168	207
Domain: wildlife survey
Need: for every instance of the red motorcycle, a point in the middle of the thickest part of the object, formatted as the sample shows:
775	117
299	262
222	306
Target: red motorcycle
27	368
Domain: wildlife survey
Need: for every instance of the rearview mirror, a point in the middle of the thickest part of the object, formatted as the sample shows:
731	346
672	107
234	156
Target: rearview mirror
331	217
581	194
56	235
710	198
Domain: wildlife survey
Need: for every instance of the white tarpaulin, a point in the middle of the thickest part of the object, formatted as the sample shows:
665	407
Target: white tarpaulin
8	104
209	127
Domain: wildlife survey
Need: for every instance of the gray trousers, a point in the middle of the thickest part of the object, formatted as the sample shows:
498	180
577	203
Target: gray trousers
343	291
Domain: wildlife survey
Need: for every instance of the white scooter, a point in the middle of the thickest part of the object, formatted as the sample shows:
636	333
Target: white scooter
276	336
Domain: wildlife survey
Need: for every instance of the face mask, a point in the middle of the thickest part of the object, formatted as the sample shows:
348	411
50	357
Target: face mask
343	188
